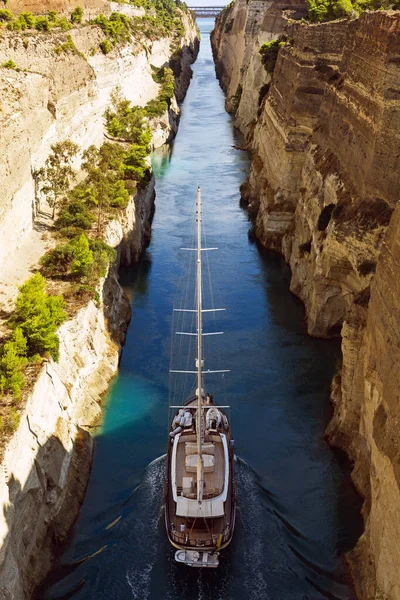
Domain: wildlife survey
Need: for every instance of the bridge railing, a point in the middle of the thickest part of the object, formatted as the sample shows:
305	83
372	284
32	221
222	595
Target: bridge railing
206	11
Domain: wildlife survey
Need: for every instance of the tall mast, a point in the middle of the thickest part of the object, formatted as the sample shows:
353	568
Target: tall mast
199	362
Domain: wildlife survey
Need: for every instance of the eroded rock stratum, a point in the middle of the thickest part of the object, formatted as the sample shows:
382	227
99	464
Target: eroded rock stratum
324	189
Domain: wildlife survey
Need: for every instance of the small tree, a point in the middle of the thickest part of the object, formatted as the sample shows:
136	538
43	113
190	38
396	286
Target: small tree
55	178
135	164
38	315
83	257
125	121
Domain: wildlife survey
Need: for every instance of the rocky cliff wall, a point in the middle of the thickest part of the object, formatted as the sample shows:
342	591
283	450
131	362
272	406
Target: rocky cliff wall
239	32
46	465
42	7
324	183
52	97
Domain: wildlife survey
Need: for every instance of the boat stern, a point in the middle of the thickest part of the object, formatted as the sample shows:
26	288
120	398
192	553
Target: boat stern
197	558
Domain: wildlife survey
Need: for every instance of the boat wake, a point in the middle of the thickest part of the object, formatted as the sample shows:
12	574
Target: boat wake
143	532
260	563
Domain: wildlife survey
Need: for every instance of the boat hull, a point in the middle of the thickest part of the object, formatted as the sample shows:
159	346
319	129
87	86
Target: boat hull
191	550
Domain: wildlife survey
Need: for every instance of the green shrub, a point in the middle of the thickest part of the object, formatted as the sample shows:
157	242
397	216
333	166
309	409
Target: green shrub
52	16
135	163
12	362
14	418
325	10
164	76
42	24
125	121
28	19
105	46
103	255
116	27
63	23
156	108
79	259
56	262
75	214
269	53
9	64
67	46
6	15
38	315
77	14
70	232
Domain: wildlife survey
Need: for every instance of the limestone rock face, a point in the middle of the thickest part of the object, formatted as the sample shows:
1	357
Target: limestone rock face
366	422
63	96
239	32
324	188
46	465
324	142
41	7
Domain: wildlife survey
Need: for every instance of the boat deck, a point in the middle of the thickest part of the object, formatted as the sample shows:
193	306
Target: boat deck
213	480
199	531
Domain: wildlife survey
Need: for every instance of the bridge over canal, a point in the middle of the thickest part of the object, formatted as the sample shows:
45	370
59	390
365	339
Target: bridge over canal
206	11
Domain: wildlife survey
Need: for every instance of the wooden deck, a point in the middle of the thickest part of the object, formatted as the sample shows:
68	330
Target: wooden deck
214	480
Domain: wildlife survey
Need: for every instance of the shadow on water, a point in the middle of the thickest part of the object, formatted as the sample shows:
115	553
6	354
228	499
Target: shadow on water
297	509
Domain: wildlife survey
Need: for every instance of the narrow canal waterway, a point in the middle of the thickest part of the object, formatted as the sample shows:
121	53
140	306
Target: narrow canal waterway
297	509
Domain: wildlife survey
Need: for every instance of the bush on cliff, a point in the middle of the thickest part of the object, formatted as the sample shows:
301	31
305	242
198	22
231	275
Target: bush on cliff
38	314
165	78
12	362
77	14
326	10
75	214
80	259
162	17
105	47
108	185
127	122
116	27
9	64
6	15
269	53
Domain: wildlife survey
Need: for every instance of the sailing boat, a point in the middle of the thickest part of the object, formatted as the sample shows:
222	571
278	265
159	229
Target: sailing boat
200	497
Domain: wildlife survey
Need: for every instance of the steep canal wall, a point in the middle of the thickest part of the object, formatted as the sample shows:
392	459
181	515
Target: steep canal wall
53	96
324	128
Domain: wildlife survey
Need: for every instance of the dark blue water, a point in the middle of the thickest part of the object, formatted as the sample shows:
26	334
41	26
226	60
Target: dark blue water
297	509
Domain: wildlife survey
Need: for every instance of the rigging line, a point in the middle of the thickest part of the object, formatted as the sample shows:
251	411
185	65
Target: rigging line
184	384
177	294
181	293
218	342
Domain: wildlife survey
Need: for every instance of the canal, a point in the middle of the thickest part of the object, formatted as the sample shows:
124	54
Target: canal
297	511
